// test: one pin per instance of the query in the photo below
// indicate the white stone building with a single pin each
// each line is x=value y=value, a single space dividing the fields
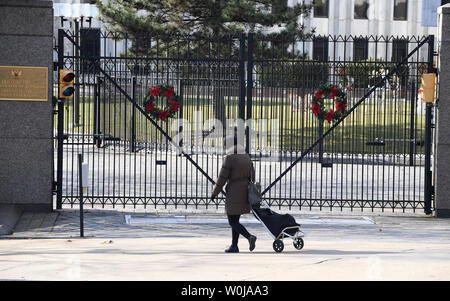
x=371 y=17
x=397 y=21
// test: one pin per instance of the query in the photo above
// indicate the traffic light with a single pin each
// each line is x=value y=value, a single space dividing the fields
x=66 y=78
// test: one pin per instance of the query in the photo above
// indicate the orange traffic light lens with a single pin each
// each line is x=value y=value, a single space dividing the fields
x=68 y=77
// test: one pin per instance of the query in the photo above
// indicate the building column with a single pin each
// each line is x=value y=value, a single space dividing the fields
x=26 y=113
x=442 y=168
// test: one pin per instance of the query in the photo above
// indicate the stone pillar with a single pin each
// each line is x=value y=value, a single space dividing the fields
x=442 y=169
x=26 y=127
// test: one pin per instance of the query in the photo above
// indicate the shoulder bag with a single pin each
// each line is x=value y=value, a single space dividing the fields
x=254 y=193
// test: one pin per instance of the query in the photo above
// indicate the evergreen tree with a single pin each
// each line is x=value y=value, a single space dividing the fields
x=210 y=17
x=142 y=20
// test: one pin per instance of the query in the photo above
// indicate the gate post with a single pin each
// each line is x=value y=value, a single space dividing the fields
x=59 y=163
x=133 y=117
x=442 y=174
x=428 y=173
x=26 y=108
x=97 y=116
x=59 y=156
x=412 y=144
x=428 y=135
x=242 y=76
x=249 y=89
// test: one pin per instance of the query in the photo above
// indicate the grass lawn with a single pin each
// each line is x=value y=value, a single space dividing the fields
x=386 y=120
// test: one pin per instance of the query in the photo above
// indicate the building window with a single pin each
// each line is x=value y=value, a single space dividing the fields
x=399 y=50
x=401 y=10
x=361 y=7
x=320 y=49
x=360 y=49
x=320 y=8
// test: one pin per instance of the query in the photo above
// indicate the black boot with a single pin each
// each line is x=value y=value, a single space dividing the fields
x=252 y=241
x=232 y=249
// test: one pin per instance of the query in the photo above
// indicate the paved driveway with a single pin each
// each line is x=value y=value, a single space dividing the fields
x=158 y=246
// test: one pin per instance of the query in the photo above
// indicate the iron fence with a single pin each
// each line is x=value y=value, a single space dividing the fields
x=374 y=158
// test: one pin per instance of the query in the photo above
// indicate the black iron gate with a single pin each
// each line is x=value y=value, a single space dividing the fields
x=378 y=157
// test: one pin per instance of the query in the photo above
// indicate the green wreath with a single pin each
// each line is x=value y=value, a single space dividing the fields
x=339 y=97
x=166 y=97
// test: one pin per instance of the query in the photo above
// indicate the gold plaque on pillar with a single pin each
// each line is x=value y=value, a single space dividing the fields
x=428 y=87
x=23 y=83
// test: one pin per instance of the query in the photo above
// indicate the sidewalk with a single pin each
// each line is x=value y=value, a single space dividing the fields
x=161 y=245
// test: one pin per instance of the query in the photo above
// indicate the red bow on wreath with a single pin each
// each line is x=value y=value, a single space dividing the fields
x=339 y=97
x=164 y=95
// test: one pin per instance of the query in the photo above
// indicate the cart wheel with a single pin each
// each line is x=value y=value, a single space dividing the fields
x=299 y=243
x=278 y=246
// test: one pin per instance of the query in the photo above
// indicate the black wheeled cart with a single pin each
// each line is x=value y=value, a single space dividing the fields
x=280 y=226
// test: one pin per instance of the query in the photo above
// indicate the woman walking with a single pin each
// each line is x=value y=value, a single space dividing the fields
x=236 y=170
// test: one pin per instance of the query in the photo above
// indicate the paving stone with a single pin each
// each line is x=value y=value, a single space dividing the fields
x=36 y=221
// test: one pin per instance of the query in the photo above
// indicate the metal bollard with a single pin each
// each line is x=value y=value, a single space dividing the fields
x=82 y=180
